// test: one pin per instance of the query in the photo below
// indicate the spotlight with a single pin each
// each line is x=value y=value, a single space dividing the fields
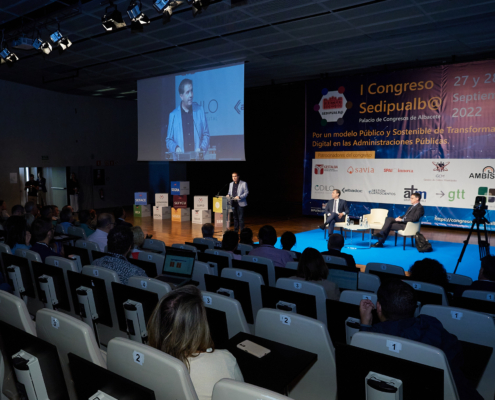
x=63 y=42
x=166 y=7
x=137 y=17
x=113 y=20
x=196 y=5
x=40 y=44
x=8 y=56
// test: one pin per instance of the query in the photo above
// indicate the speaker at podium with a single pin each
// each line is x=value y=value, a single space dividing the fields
x=222 y=208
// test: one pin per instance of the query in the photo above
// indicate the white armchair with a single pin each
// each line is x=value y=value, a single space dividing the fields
x=376 y=218
x=410 y=230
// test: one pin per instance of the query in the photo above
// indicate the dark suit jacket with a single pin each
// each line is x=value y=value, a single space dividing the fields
x=415 y=214
x=482 y=285
x=343 y=207
x=348 y=257
x=119 y=222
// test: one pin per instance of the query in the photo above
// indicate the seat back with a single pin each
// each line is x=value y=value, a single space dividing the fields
x=409 y=350
x=69 y=335
x=4 y=248
x=167 y=376
x=292 y=265
x=411 y=229
x=377 y=216
x=355 y=297
x=368 y=282
x=158 y=259
x=60 y=230
x=77 y=231
x=457 y=279
x=479 y=295
x=89 y=246
x=35 y=304
x=183 y=246
x=266 y=261
x=473 y=327
x=255 y=281
x=320 y=382
x=236 y=321
x=292 y=254
x=335 y=260
x=153 y=244
x=244 y=248
x=14 y=312
x=209 y=243
x=429 y=287
x=106 y=333
x=200 y=270
x=311 y=288
x=386 y=268
x=66 y=265
x=222 y=253
x=228 y=389
x=150 y=284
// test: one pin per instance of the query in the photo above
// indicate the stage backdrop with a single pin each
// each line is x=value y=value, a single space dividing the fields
x=379 y=138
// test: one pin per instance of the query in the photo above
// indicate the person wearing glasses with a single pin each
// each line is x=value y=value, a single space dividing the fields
x=105 y=224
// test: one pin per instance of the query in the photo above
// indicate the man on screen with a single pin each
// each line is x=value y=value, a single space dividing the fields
x=187 y=125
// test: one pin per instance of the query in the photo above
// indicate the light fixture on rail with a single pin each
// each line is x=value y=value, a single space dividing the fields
x=138 y=18
x=60 y=40
x=42 y=45
x=112 y=20
x=166 y=8
x=198 y=6
x=5 y=54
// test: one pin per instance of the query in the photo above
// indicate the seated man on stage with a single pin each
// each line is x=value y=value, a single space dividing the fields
x=413 y=214
x=336 y=210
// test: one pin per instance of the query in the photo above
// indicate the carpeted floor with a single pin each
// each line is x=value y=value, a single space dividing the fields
x=445 y=252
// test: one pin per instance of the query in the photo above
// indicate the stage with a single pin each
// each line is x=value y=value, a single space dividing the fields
x=447 y=243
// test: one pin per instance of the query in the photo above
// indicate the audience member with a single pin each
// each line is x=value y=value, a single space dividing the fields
x=179 y=327
x=229 y=243
x=120 y=215
x=138 y=239
x=4 y=215
x=42 y=189
x=32 y=188
x=395 y=306
x=120 y=243
x=268 y=237
x=17 y=233
x=246 y=237
x=92 y=220
x=208 y=230
x=46 y=213
x=18 y=210
x=42 y=232
x=84 y=217
x=429 y=271
x=56 y=212
x=288 y=241
x=486 y=276
x=105 y=224
x=73 y=189
x=335 y=244
x=312 y=268
x=66 y=219
x=31 y=212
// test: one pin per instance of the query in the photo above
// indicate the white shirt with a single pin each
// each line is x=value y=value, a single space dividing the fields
x=336 y=205
x=208 y=368
x=99 y=237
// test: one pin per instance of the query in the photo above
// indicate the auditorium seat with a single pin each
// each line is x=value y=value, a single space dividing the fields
x=89 y=246
x=236 y=321
x=384 y=268
x=229 y=389
x=292 y=265
x=320 y=381
x=157 y=259
x=430 y=288
x=335 y=260
x=265 y=261
x=76 y=231
x=244 y=248
x=155 y=245
x=200 y=270
x=33 y=304
x=355 y=297
x=410 y=350
x=13 y=311
x=207 y=242
x=368 y=282
x=484 y=297
x=456 y=279
x=187 y=247
x=60 y=230
x=310 y=288
x=66 y=265
x=167 y=376
x=69 y=335
x=222 y=253
x=150 y=284
x=473 y=327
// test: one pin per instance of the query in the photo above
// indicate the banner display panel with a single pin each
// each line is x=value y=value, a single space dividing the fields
x=379 y=138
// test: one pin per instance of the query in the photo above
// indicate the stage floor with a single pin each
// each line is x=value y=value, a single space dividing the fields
x=447 y=243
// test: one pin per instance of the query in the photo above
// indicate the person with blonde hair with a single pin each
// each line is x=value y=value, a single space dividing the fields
x=179 y=327
x=138 y=235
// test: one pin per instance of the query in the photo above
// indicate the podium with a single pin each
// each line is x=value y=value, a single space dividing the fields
x=222 y=204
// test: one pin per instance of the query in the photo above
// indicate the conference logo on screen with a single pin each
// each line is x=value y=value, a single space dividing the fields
x=367 y=170
x=332 y=106
x=409 y=191
x=486 y=173
x=321 y=168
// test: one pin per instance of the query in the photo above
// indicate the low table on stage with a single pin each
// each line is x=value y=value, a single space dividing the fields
x=357 y=228
x=276 y=371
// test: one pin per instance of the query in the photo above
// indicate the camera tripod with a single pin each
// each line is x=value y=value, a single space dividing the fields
x=484 y=246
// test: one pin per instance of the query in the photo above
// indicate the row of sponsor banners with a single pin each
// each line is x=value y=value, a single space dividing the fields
x=442 y=183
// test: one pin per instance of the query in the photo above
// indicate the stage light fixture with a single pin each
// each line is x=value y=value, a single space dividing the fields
x=196 y=5
x=62 y=41
x=166 y=8
x=40 y=44
x=138 y=18
x=112 y=20
x=8 y=56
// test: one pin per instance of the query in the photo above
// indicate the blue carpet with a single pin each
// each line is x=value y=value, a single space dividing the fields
x=445 y=252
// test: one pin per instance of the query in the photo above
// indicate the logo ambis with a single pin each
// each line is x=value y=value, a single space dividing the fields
x=487 y=173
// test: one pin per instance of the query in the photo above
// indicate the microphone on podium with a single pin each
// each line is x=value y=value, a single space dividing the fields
x=218 y=194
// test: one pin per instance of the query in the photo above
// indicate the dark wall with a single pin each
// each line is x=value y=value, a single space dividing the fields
x=274 y=130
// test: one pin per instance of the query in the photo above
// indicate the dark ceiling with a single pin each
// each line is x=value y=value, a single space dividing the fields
x=280 y=40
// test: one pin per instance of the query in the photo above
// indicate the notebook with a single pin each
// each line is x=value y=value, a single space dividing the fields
x=178 y=268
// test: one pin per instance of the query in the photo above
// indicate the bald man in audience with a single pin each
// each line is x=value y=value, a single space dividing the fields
x=105 y=224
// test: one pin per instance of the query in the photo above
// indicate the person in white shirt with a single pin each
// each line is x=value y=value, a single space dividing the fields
x=105 y=224
x=179 y=327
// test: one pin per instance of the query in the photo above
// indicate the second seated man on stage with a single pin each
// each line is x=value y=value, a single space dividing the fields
x=238 y=191
x=413 y=214
x=187 y=125
x=336 y=210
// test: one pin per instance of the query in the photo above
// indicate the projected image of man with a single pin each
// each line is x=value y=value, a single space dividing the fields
x=187 y=125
